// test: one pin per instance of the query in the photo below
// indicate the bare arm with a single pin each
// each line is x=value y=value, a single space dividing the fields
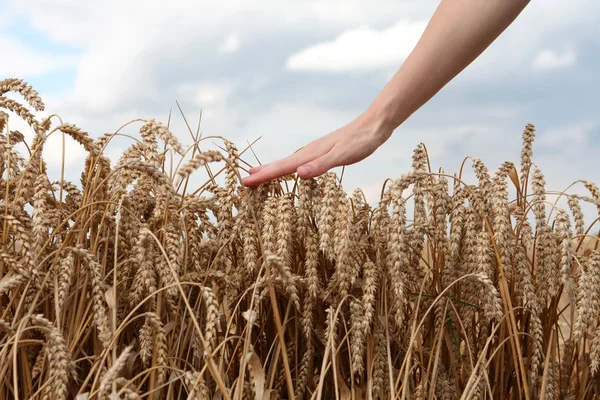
x=458 y=32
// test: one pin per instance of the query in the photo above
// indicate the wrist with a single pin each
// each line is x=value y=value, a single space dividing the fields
x=383 y=117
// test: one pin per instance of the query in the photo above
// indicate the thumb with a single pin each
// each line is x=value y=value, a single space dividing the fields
x=316 y=167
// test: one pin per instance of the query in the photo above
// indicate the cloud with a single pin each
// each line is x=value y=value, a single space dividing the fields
x=205 y=94
x=552 y=59
x=69 y=22
x=7 y=17
x=231 y=44
x=210 y=95
x=84 y=22
x=286 y=127
x=138 y=67
x=53 y=148
x=360 y=49
x=20 y=60
x=569 y=137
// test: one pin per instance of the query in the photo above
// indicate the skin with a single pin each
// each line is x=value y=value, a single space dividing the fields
x=458 y=32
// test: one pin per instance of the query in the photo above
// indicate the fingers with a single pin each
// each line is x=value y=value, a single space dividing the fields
x=310 y=146
x=282 y=167
x=254 y=170
x=316 y=167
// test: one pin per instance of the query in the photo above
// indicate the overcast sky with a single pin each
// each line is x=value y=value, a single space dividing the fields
x=291 y=71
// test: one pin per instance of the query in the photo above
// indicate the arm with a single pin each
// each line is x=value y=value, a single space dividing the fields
x=458 y=32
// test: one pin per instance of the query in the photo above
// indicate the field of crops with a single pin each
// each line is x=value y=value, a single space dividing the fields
x=135 y=283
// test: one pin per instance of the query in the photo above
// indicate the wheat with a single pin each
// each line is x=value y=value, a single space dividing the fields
x=595 y=352
x=457 y=218
x=144 y=282
x=303 y=373
x=145 y=339
x=417 y=239
x=398 y=256
x=80 y=137
x=65 y=276
x=40 y=213
x=591 y=186
x=212 y=316
x=282 y=271
x=155 y=128
x=357 y=336
x=112 y=373
x=285 y=230
x=563 y=228
x=59 y=359
x=575 y=207
x=346 y=267
x=96 y=282
x=250 y=245
x=313 y=284
x=326 y=215
x=370 y=276
x=145 y=287
x=18 y=85
x=160 y=341
x=307 y=193
x=196 y=162
x=526 y=152
x=269 y=228
x=491 y=303
x=379 y=373
x=38 y=365
x=588 y=297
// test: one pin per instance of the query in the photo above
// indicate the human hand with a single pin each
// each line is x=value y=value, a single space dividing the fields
x=457 y=33
x=345 y=146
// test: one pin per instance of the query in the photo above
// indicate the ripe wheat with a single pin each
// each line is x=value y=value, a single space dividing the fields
x=132 y=283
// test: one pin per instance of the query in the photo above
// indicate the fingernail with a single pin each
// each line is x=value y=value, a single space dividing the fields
x=304 y=170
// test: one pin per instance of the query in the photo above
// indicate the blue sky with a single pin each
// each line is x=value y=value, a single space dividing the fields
x=293 y=71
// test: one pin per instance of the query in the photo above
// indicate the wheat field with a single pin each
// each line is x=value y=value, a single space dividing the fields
x=135 y=283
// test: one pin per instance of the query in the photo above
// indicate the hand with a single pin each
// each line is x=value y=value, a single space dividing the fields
x=457 y=33
x=347 y=145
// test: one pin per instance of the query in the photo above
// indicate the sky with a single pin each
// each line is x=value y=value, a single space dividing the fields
x=292 y=71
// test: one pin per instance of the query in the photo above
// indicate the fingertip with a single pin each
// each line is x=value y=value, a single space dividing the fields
x=256 y=179
x=248 y=181
x=254 y=170
x=315 y=168
x=304 y=171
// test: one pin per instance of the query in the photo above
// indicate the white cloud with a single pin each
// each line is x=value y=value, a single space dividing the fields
x=571 y=136
x=21 y=61
x=552 y=59
x=210 y=95
x=205 y=93
x=132 y=67
x=82 y=22
x=68 y=21
x=7 y=17
x=126 y=62
x=356 y=12
x=286 y=127
x=361 y=49
x=231 y=44
x=210 y=98
x=53 y=148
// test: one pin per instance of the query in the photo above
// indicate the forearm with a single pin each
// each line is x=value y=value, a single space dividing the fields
x=458 y=32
